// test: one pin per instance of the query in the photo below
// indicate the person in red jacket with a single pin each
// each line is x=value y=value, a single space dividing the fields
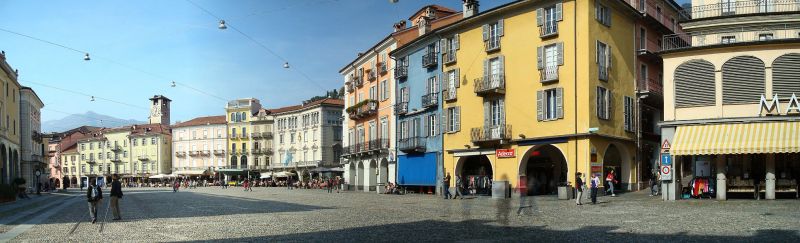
x=611 y=180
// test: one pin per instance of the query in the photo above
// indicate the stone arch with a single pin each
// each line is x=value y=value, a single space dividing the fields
x=478 y=168
x=372 y=175
x=384 y=171
x=743 y=80
x=233 y=161
x=360 y=175
x=785 y=70
x=618 y=157
x=544 y=167
x=243 y=162
x=694 y=84
x=6 y=172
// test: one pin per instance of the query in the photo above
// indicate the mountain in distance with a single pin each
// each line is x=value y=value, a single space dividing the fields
x=89 y=118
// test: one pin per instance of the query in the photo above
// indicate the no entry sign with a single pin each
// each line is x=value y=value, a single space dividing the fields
x=666 y=167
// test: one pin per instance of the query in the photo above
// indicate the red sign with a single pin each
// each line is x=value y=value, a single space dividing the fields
x=505 y=153
x=666 y=144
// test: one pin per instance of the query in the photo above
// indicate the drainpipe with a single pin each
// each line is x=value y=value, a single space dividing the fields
x=575 y=77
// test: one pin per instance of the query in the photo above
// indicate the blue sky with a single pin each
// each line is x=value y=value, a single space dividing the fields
x=174 y=40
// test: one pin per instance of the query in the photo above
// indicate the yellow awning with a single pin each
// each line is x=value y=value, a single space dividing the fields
x=738 y=138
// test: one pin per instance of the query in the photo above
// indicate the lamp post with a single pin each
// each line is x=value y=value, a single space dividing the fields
x=639 y=97
x=38 y=173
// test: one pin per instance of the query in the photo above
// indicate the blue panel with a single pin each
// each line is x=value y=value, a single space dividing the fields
x=417 y=169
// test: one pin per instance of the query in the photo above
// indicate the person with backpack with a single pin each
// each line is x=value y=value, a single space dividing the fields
x=94 y=195
x=116 y=194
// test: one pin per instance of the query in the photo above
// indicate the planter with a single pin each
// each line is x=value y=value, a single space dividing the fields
x=565 y=192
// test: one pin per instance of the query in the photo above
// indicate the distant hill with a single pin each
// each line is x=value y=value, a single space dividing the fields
x=87 y=119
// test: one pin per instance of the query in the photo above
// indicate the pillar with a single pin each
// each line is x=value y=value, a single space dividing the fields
x=770 y=178
x=670 y=189
x=722 y=186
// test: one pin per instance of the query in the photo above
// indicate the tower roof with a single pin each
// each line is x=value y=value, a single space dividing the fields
x=157 y=97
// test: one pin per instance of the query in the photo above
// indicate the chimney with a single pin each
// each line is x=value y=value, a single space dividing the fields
x=400 y=26
x=423 y=25
x=470 y=8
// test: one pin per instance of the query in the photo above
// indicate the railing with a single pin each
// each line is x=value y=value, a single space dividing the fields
x=180 y=154
x=494 y=83
x=401 y=107
x=429 y=60
x=358 y=80
x=116 y=148
x=602 y=72
x=429 y=100
x=549 y=28
x=492 y=44
x=449 y=94
x=194 y=153
x=267 y=135
x=143 y=158
x=372 y=75
x=739 y=8
x=232 y=135
x=491 y=133
x=205 y=152
x=650 y=46
x=267 y=151
x=363 y=109
x=382 y=68
x=91 y=161
x=255 y=134
x=255 y=151
x=378 y=144
x=349 y=86
x=219 y=152
x=116 y=159
x=650 y=8
x=650 y=85
x=750 y=34
x=412 y=144
x=449 y=57
x=548 y=73
x=400 y=71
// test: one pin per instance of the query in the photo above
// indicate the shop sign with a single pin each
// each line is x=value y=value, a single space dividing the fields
x=505 y=153
x=666 y=167
x=597 y=168
x=773 y=107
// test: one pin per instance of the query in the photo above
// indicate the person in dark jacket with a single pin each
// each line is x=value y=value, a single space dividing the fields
x=94 y=195
x=579 y=188
x=116 y=195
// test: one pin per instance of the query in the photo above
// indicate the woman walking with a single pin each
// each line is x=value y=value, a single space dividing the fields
x=579 y=188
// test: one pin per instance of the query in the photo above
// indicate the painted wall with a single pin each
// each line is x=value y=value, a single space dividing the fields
x=417 y=84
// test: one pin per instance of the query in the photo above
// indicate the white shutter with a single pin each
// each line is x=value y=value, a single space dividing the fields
x=560 y=103
x=502 y=111
x=558 y=12
x=539 y=16
x=485 y=69
x=485 y=32
x=539 y=106
x=434 y=124
x=457 y=119
x=502 y=60
x=456 y=41
x=500 y=27
x=539 y=57
x=560 y=54
x=487 y=113
x=443 y=45
x=445 y=121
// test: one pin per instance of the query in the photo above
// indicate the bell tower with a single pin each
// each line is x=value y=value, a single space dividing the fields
x=159 y=110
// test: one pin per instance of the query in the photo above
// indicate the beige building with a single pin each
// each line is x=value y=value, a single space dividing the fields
x=31 y=139
x=261 y=139
x=731 y=112
x=200 y=146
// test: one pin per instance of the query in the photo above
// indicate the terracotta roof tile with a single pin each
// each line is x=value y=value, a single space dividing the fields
x=202 y=121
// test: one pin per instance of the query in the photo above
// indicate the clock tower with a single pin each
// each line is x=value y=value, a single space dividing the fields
x=159 y=110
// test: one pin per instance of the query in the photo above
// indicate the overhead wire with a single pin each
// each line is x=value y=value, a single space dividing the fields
x=85 y=94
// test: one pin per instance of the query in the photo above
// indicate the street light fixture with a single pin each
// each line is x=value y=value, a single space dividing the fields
x=222 y=25
x=173 y=84
x=92 y=98
x=86 y=57
x=286 y=65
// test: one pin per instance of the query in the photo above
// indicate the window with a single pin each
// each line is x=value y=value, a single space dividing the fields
x=765 y=36
x=547 y=20
x=604 y=101
x=496 y=111
x=450 y=46
x=99 y=156
x=291 y=138
x=305 y=136
x=384 y=128
x=384 y=90
x=603 y=60
x=433 y=85
x=729 y=39
x=629 y=116
x=453 y=118
x=280 y=138
x=643 y=73
x=602 y=14
x=549 y=104
x=144 y=141
x=83 y=145
x=205 y=133
x=135 y=142
x=404 y=130
x=91 y=146
x=244 y=147
x=233 y=148
x=491 y=35
x=233 y=131
x=642 y=39
x=153 y=141
x=373 y=92
x=432 y=125
x=244 y=132
x=194 y=134
x=728 y=7
x=549 y=57
x=124 y=154
x=451 y=83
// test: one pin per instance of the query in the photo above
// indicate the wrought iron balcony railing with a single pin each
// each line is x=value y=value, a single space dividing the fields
x=549 y=28
x=491 y=133
x=750 y=34
x=401 y=107
x=429 y=60
x=429 y=100
x=449 y=94
x=492 y=84
x=400 y=72
x=733 y=8
x=449 y=57
x=650 y=85
x=492 y=44
x=548 y=73
x=412 y=144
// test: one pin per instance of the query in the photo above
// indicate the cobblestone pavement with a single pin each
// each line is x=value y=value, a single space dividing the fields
x=277 y=214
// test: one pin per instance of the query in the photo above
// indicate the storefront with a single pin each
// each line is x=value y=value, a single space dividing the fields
x=417 y=170
x=733 y=160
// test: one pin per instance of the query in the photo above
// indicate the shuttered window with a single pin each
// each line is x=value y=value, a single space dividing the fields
x=629 y=114
x=549 y=104
x=453 y=119
x=742 y=80
x=603 y=103
x=785 y=74
x=694 y=84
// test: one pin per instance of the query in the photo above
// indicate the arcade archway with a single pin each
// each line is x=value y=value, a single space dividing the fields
x=476 y=172
x=612 y=161
x=544 y=168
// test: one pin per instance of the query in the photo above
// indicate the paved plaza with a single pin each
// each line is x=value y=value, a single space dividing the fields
x=278 y=214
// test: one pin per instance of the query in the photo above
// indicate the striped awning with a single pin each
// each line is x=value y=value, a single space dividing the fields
x=738 y=138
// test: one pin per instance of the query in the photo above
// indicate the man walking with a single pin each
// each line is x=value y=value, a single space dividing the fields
x=595 y=181
x=446 y=185
x=578 y=188
x=116 y=194
x=94 y=196
x=458 y=186
x=330 y=185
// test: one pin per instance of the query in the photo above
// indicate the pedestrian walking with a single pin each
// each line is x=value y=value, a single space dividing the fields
x=336 y=183
x=594 y=183
x=330 y=185
x=116 y=195
x=654 y=183
x=459 y=186
x=578 y=188
x=176 y=186
x=94 y=195
x=523 y=195
x=446 y=185
x=611 y=180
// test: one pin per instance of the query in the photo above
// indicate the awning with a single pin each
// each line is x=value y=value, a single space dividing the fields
x=192 y=172
x=161 y=176
x=283 y=174
x=738 y=138
x=416 y=169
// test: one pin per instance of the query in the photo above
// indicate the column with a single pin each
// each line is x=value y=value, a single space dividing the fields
x=770 y=178
x=721 y=179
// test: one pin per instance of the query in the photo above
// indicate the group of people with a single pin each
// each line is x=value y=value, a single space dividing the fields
x=391 y=188
x=94 y=195
x=473 y=186
x=594 y=184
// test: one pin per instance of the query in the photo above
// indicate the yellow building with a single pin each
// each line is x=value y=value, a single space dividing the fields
x=239 y=112
x=731 y=112
x=543 y=90
x=9 y=123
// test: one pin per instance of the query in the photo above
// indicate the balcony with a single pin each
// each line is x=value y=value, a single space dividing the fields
x=219 y=152
x=492 y=84
x=144 y=158
x=650 y=86
x=116 y=159
x=266 y=135
x=377 y=144
x=655 y=15
x=429 y=60
x=363 y=109
x=400 y=72
x=548 y=73
x=382 y=68
x=449 y=94
x=266 y=151
x=496 y=133
x=548 y=29
x=349 y=86
x=648 y=48
x=232 y=135
x=255 y=151
x=733 y=36
x=733 y=8
x=412 y=145
x=357 y=80
x=372 y=75
x=429 y=100
x=255 y=135
x=91 y=161
x=180 y=154
x=449 y=57
x=116 y=148
x=492 y=44
x=401 y=107
x=194 y=153
x=205 y=153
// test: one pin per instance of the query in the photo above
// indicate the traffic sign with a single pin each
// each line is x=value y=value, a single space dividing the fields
x=666 y=167
x=666 y=160
x=666 y=144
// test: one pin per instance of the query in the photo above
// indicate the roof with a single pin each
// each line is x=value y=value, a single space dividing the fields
x=326 y=101
x=447 y=21
x=438 y=8
x=34 y=94
x=147 y=129
x=389 y=36
x=205 y=120
x=155 y=97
